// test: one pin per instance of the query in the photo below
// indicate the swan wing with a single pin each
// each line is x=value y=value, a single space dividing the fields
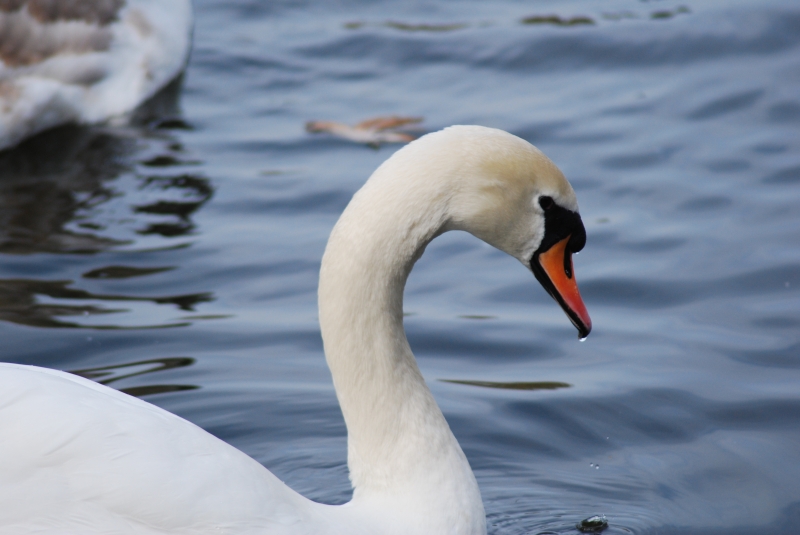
x=76 y=456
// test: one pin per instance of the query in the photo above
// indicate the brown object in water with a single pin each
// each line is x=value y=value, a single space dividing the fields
x=371 y=131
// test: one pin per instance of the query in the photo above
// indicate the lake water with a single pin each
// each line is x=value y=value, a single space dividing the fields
x=180 y=263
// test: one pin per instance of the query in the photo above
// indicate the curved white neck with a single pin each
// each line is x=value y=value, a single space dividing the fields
x=401 y=451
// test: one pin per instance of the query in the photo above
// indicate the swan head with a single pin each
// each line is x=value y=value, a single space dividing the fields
x=506 y=192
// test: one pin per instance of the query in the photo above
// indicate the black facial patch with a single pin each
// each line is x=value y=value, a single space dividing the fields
x=558 y=224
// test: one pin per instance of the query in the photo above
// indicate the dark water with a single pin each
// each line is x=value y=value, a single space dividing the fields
x=180 y=263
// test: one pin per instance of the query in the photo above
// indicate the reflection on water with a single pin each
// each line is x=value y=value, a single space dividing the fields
x=58 y=190
x=187 y=193
x=539 y=385
x=91 y=191
x=19 y=303
x=557 y=21
x=54 y=187
x=407 y=27
x=105 y=375
x=123 y=272
x=50 y=180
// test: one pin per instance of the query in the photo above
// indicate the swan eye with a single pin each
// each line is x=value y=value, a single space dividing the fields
x=546 y=202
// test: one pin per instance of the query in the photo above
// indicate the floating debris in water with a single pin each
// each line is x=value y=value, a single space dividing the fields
x=372 y=132
x=593 y=524
x=558 y=21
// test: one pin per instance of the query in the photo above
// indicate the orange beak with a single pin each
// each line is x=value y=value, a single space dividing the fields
x=556 y=263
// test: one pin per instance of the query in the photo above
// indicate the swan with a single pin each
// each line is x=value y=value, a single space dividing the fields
x=69 y=61
x=79 y=457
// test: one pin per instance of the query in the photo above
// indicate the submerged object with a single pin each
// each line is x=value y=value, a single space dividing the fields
x=593 y=524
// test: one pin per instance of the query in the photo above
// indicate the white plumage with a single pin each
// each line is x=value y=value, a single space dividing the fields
x=78 y=457
x=85 y=61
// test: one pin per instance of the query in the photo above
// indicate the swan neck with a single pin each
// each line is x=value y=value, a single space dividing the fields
x=399 y=443
x=377 y=381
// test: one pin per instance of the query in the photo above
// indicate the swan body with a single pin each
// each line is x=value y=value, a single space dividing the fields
x=66 y=61
x=78 y=457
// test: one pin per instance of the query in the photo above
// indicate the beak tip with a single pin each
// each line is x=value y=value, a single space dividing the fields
x=583 y=331
x=583 y=324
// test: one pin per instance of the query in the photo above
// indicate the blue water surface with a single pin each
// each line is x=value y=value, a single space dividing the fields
x=179 y=261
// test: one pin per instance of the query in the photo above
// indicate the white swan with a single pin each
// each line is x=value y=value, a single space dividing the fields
x=69 y=61
x=78 y=457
